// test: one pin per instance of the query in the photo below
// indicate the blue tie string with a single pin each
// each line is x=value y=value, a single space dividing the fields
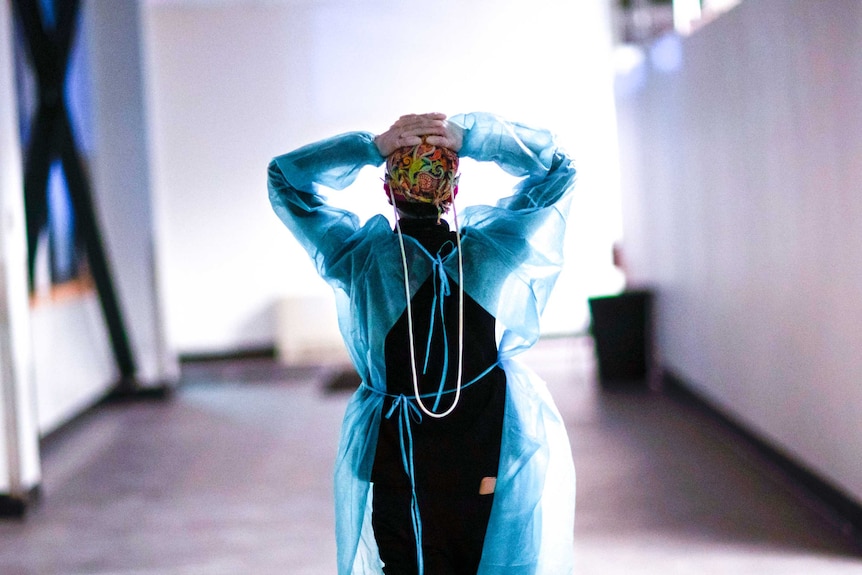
x=408 y=412
x=442 y=290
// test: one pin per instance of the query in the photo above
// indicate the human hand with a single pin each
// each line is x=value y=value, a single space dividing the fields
x=452 y=137
x=413 y=129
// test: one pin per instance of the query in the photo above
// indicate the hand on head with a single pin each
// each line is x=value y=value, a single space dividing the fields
x=410 y=130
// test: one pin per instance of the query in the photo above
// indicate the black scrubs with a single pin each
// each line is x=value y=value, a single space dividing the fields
x=452 y=455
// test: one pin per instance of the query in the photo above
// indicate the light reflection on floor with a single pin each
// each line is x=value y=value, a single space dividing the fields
x=232 y=477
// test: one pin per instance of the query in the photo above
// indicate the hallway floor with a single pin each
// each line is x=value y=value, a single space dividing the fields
x=232 y=476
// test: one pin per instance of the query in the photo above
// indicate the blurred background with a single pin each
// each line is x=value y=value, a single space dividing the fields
x=717 y=143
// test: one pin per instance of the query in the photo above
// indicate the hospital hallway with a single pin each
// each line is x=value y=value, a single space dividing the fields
x=232 y=476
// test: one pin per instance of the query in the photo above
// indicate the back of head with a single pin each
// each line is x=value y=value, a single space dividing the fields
x=422 y=174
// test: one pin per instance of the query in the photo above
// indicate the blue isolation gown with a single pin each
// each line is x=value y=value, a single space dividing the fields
x=512 y=254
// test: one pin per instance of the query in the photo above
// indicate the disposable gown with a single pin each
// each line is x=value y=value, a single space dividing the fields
x=512 y=254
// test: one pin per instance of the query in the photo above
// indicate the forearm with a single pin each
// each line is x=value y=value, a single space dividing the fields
x=548 y=172
x=293 y=181
x=518 y=149
x=334 y=162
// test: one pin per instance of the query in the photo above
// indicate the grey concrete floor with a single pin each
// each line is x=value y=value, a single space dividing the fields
x=233 y=476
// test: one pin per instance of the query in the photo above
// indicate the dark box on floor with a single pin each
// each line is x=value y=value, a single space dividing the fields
x=621 y=326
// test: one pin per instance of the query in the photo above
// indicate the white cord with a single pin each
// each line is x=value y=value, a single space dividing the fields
x=416 y=393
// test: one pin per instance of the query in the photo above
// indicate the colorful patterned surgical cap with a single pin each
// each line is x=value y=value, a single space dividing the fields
x=423 y=174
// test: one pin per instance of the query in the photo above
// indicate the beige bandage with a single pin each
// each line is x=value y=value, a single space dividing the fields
x=487 y=485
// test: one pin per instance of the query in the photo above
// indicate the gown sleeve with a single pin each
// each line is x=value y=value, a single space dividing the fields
x=294 y=181
x=518 y=245
x=513 y=249
x=521 y=151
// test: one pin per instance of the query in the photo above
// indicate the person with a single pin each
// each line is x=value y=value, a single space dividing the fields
x=453 y=458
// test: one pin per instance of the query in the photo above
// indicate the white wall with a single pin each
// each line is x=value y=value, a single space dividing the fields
x=234 y=83
x=121 y=178
x=19 y=446
x=742 y=171
x=73 y=364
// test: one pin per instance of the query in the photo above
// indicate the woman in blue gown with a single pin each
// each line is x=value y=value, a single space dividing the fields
x=489 y=488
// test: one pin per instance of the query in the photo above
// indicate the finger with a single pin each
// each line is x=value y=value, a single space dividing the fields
x=411 y=120
x=424 y=130
x=448 y=143
x=405 y=140
x=421 y=125
x=441 y=141
x=429 y=116
x=434 y=116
